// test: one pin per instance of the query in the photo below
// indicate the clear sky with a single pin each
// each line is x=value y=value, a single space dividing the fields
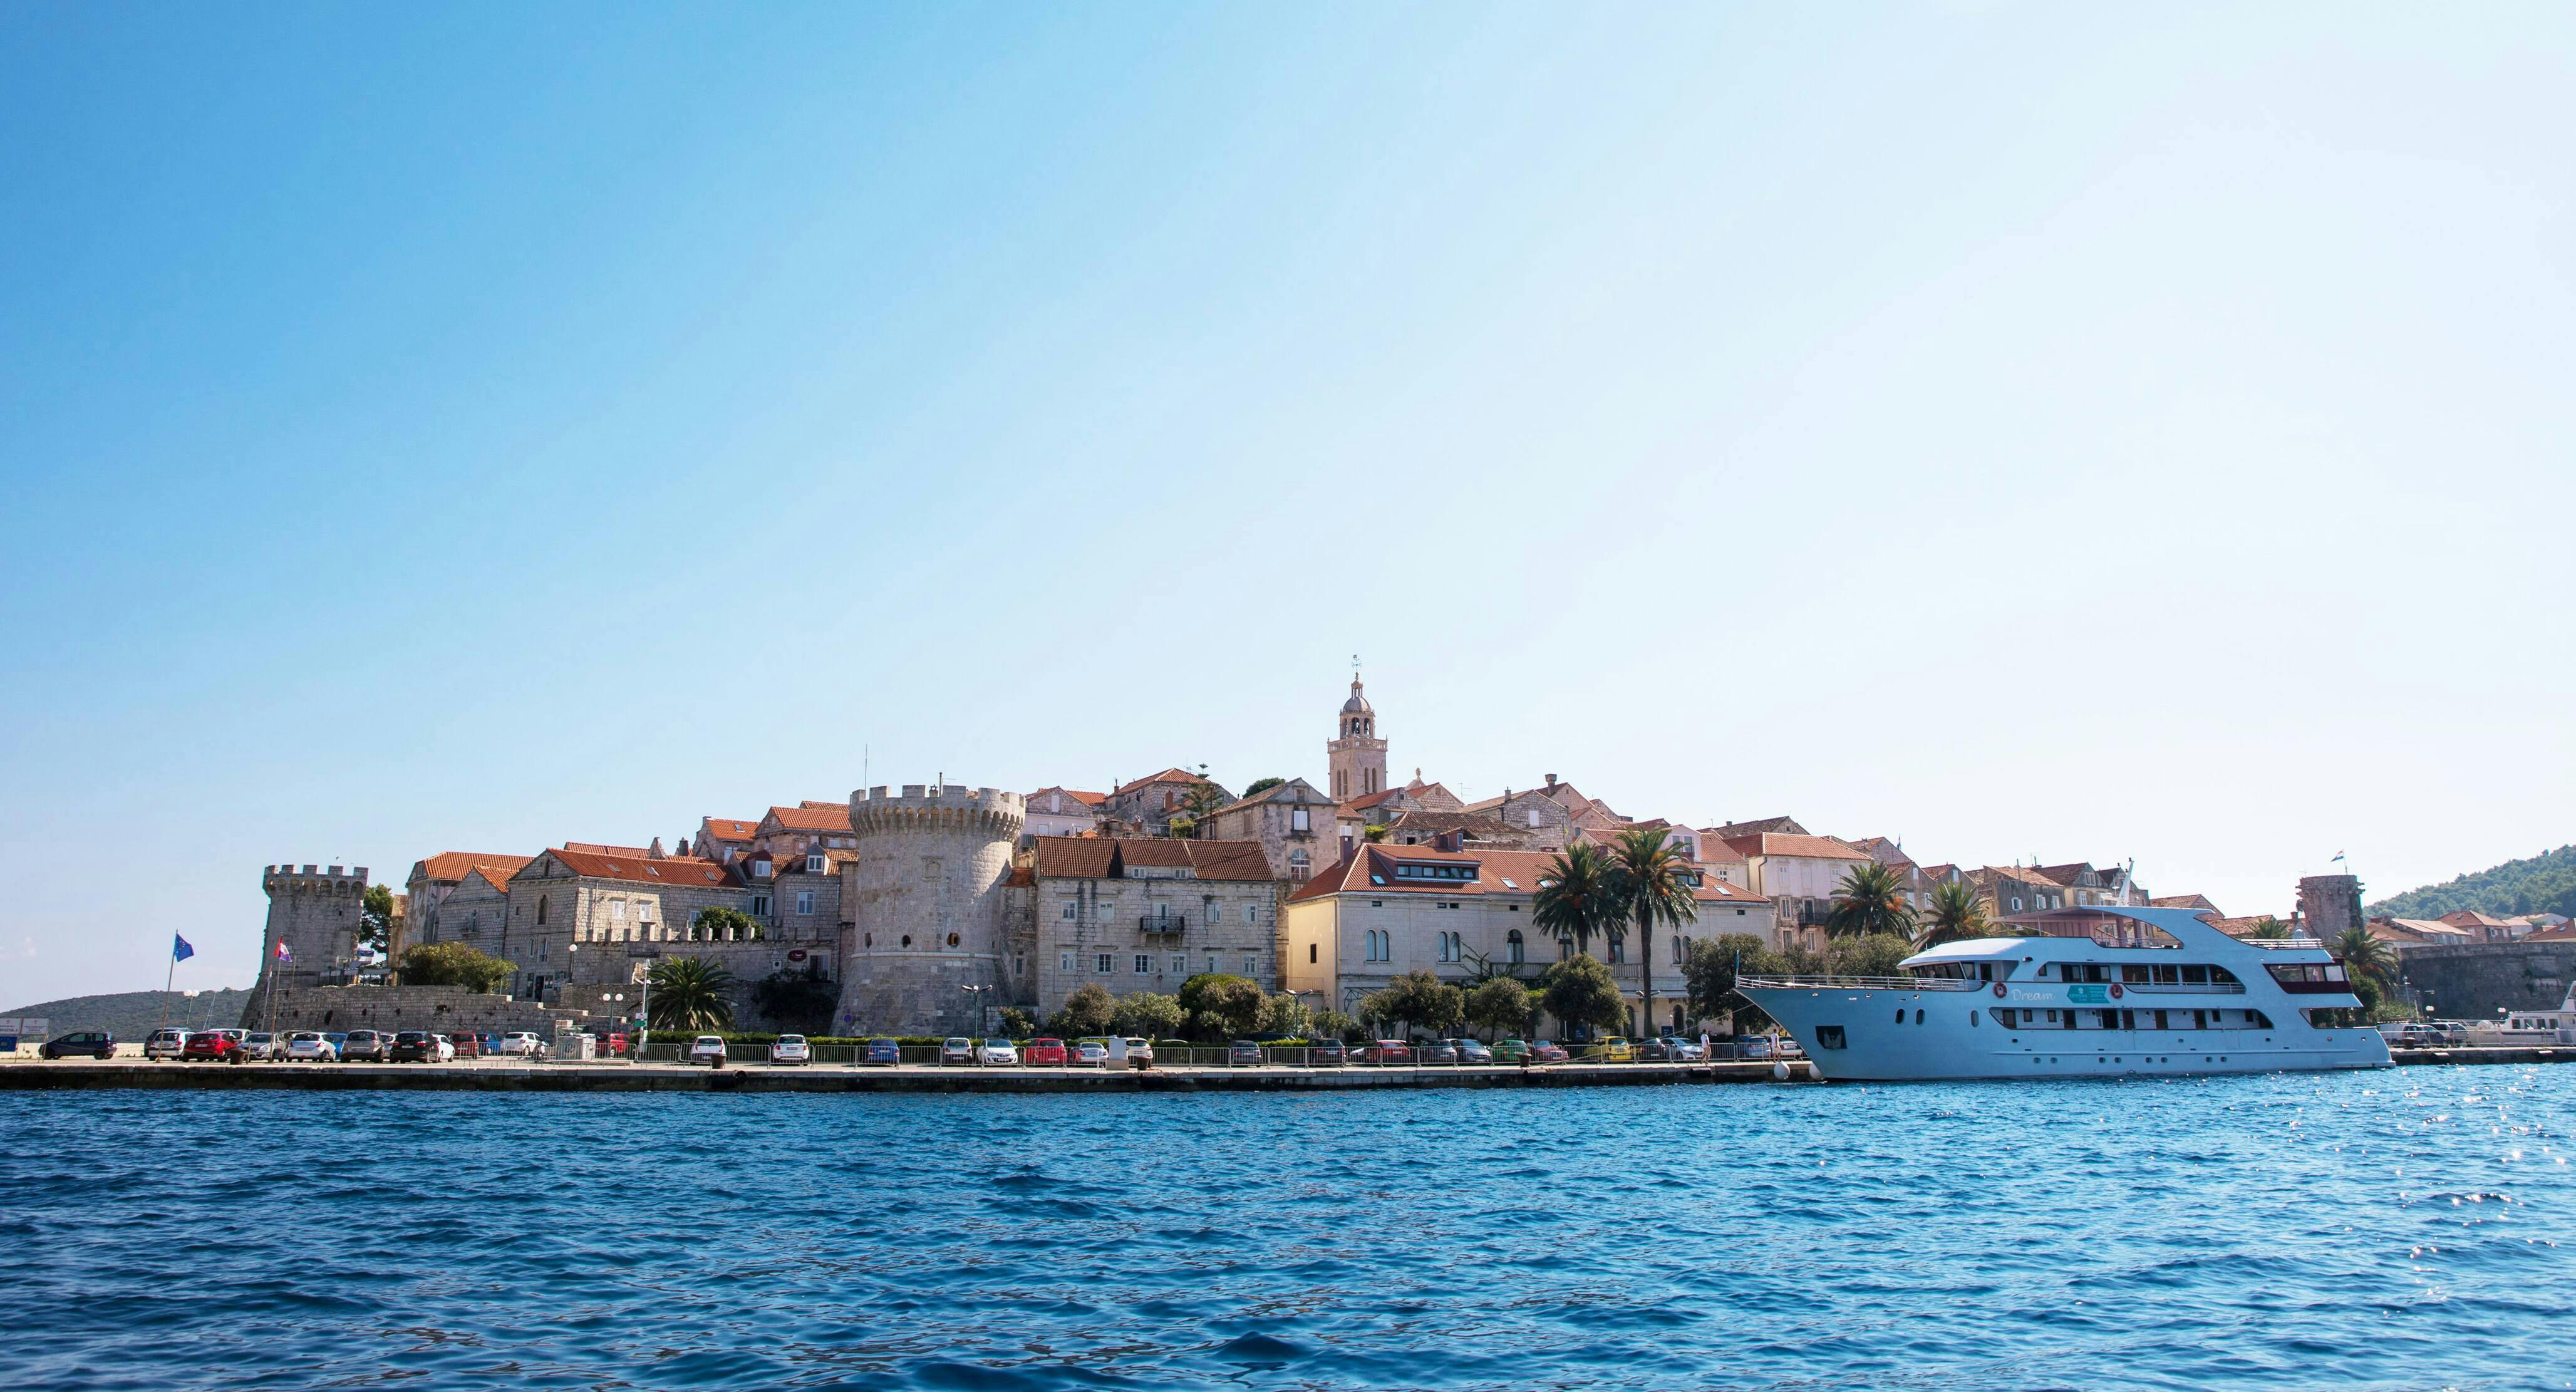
x=2071 y=432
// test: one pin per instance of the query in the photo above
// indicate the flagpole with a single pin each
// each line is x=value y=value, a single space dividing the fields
x=168 y=978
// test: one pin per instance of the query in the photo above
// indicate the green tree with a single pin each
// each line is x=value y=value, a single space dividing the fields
x=1418 y=998
x=797 y=1002
x=454 y=964
x=1580 y=994
x=1871 y=899
x=1149 y=1014
x=720 y=924
x=1957 y=916
x=1654 y=881
x=1263 y=785
x=376 y=918
x=1576 y=900
x=1711 y=970
x=1087 y=1011
x=1333 y=1024
x=1221 y=1004
x=2366 y=958
x=1874 y=954
x=1199 y=803
x=689 y=994
x=1018 y=1023
x=1283 y=1016
x=1373 y=833
x=1499 y=1006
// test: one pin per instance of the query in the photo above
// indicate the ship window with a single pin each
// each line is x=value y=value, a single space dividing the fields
x=1918 y=1017
x=2195 y=976
x=1973 y=1021
x=1900 y=1017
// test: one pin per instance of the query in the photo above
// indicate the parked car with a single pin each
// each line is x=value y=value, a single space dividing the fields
x=1088 y=1053
x=97 y=1044
x=708 y=1049
x=260 y=1046
x=1663 y=1048
x=1386 y=1051
x=958 y=1050
x=1244 y=1053
x=997 y=1053
x=420 y=1046
x=1438 y=1051
x=1140 y=1053
x=1545 y=1052
x=217 y=1046
x=1042 y=1052
x=790 y=1048
x=165 y=1043
x=306 y=1046
x=520 y=1044
x=1327 y=1053
x=885 y=1051
x=1754 y=1046
x=337 y=1040
x=375 y=1046
x=1511 y=1050
x=1472 y=1051
x=466 y=1043
x=1611 y=1050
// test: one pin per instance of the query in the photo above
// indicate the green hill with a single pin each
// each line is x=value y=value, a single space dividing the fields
x=2546 y=883
x=133 y=1014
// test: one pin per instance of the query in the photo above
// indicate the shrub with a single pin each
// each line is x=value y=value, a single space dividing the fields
x=1222 y=1006
x=1087 y=1011
x=1580 y=994
x=454 y=964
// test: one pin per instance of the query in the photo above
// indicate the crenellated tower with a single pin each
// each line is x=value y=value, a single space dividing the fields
x=925 y=903
x=317 y=913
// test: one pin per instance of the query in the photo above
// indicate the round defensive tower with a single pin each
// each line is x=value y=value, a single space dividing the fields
x=928 y=921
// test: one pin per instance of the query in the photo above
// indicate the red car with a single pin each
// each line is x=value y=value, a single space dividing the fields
x=1384 y=1051
x=1544 y=1052
x=221 y=1046
x=1045 y=1051
x=468 y=1044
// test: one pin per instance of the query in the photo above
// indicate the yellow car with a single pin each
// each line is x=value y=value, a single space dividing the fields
x=1611 y=1051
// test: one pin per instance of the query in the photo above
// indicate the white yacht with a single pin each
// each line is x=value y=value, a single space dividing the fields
x=2101 y=992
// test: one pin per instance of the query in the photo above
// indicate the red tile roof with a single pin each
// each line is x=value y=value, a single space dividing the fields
x=1169 y=775
x=1781 y=843
x=1085 y=798
x=684 y=872
x=1107 y=857
x=829 y=816
x=455 y=865
x=596 y=848
x=727 y=828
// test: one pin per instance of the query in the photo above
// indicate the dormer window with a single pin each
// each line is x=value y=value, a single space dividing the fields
x=1435 y=872
x=814 y=863
x=760 y=868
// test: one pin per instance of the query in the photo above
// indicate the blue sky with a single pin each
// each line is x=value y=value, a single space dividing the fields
x=2030 y=431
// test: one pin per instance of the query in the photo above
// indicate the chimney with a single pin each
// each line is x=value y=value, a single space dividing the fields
x=1551 y=780
x=1346 y=845
x=684 y=845
x=655 y=850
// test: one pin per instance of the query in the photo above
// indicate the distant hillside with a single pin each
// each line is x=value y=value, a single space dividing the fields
x=133 y=1014
x=2542 y=884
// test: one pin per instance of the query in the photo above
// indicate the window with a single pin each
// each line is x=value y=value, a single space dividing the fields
x=814 y=863
x=1618 y=949
x=1104 y=964
x=1252 y=964
x=1679 y=948
x=1310 y=952
x=1108 y=909
x=930 y=868
x=1300 y=820
x=805 y=901
x=541 y=907
x=617 y=910
x=1180 y=964
x=643 y=910
x=1514 y=947
x=1064 y=961
x=760 y=906
x=1251 y=913
x=1211 y=963
x=1144 y=964
x=1071 y=911
x=1300 y=865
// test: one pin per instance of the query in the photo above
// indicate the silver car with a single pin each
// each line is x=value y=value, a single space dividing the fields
x=260 y=1046
x=165 y=1044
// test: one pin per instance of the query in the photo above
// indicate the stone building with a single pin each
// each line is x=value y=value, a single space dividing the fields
x=432 y=880
x=2013 y=890
x=1148 y=805
x=474 y=910
x=720 y=839
x=927 y=949
x=1293 y=822
x=314 y=916
x=786 y=832
x=1136 y=914
x=587 y=916
x=1064 y=812
x=1355 y=757
x=1800 y=876
x=1387 y=910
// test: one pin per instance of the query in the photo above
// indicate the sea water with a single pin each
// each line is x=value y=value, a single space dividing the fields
x=2405 y=1228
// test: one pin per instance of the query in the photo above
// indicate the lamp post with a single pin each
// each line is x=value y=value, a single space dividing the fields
x=976 y=994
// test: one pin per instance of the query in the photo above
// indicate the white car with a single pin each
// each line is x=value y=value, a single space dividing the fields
x=958 y=1049
x=790 y=1048
x=1140 y=1053
x=306 y=1046
x=708 y=1049
x=1088 y=1053
x=520 y=1044
x=997 y=1053
x=165 y=1043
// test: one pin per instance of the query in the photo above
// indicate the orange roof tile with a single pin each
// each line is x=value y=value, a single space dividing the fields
x=1106 y=857
x=686 y=872
x=455 y=865
x=727 y=828
x=830 y=816
x=1781 y=843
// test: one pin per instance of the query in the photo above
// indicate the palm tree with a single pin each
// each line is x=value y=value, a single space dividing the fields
x=1871 y=899
x=2364 y=955
x=1653 y=879
x=1957 y=916
x=689 y=993
x=1575 y=898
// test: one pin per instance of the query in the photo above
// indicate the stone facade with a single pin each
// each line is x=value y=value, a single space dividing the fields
x=580 y=916
x=1146 y=915
x=1063 y=812
x=316 y=914
x=442 y=1008
x=2331 y=904
x=1292 y=822
x=435 y=878
x=2474 y=981
x=1355 y=757
x=926 y=901
x=474 y=911
x=1148 y=805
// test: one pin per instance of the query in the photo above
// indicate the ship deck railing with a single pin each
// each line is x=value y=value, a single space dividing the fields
x=1864 y=983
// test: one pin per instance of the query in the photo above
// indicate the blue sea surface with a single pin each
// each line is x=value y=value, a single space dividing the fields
x=2406 y=1228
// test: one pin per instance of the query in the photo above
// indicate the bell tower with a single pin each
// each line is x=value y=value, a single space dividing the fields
x=1356 y=755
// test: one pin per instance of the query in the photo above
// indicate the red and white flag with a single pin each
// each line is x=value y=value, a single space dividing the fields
x=283 y=955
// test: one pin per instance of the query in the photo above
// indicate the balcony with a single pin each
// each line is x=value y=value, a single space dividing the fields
x=1162 y=925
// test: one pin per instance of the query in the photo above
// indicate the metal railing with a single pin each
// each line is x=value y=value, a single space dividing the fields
x=2281 y=944
x=1864 y=983
x=1161 y=923
x=2214 y=988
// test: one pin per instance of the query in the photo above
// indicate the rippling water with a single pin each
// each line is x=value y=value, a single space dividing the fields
x=2399 y=1229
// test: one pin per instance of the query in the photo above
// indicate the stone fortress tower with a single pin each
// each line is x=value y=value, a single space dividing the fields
x=1357 y=756
x=2329 y=904
x=928 y=917
x=316 y=913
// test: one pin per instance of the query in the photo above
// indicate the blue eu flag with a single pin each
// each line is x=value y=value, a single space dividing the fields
x=179 y=949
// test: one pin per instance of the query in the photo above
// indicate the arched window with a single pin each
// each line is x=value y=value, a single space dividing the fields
x=1515 y=946
x=1677 y=949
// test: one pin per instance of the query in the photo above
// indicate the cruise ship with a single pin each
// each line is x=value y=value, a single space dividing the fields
x=2099 y=992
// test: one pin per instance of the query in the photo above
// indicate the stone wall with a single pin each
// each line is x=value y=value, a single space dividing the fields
x=315 y=912
x=2474 y=980
x=928 y=908
x=2330 y=904
x=446 y=1009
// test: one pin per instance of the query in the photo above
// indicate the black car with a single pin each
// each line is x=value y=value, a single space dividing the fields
x=1437 y=1051
x=1660 y=1049
x=415 y=1046
x=1327 y=1053
x=97 y=1044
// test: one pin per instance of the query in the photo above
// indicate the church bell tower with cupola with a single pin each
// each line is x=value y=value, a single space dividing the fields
x=1357 y=755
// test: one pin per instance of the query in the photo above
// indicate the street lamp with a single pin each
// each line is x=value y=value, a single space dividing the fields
x=976 y=994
